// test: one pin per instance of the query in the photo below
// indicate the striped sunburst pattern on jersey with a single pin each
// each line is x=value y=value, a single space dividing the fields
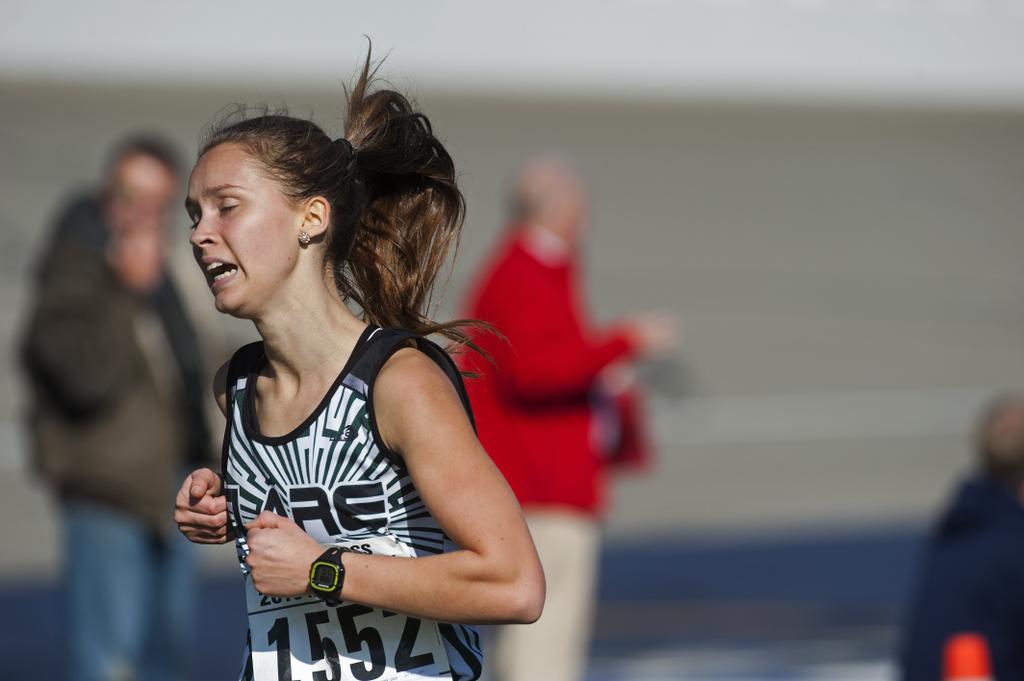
x=332 y=475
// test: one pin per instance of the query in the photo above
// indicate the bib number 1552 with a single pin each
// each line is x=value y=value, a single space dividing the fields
x=350 y=642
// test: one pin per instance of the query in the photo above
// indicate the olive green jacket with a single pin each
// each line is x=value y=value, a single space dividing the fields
x=105 y=419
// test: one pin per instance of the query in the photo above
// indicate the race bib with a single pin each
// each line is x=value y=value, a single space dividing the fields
x=304 y=639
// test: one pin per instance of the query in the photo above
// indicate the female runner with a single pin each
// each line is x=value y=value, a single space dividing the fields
x=366 y=515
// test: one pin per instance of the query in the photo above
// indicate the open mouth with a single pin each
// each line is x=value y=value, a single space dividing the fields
x=219 y=271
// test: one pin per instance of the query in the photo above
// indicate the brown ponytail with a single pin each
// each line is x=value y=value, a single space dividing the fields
x=413 y=209
x=396 y=209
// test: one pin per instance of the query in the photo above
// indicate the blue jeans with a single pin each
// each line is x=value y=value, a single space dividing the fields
x=130 y=597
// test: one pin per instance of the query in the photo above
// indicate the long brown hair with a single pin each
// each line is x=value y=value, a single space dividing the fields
x=396 y=210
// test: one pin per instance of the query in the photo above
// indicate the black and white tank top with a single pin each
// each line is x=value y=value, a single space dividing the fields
x=336 y=479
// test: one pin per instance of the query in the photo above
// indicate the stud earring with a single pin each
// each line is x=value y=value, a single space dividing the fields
x=304 y=238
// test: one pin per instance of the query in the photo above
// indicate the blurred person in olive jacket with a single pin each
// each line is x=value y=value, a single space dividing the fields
x=557 y=407
x=972 y=576
x=118 y=412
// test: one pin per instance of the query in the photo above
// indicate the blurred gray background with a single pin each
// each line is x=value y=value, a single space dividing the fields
x=828 y=193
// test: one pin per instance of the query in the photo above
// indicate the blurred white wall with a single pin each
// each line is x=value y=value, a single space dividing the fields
x=952 y=52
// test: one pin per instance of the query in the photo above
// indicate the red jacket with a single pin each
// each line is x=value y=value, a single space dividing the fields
x=534 y=406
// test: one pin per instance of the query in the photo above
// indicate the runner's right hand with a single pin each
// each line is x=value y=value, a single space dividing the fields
x=201 y=509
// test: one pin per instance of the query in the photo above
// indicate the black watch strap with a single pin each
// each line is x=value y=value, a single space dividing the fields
x=327 y=575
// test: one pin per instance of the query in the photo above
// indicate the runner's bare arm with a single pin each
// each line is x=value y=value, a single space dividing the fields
x=220 y=388
x=200 y=507
x=495 y=576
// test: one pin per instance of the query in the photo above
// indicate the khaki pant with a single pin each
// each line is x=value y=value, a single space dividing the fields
x=554 y=648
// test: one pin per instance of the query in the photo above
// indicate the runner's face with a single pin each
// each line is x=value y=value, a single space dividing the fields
x=245 y=229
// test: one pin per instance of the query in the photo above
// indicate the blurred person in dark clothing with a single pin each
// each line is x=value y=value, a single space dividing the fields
x=972 y=578
x=556 y=408
x=118 y=412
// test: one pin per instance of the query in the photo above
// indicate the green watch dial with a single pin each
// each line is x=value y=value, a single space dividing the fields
x=324 y=576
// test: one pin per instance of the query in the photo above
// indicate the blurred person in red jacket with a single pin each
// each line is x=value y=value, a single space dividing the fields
x=556 y=408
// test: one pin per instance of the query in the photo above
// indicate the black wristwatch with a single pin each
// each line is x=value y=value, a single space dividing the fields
x=327 y=575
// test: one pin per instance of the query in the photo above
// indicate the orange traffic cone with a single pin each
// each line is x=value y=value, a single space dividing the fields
x=966 y=658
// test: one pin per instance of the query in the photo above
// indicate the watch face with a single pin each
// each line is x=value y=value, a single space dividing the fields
x=324 y=577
